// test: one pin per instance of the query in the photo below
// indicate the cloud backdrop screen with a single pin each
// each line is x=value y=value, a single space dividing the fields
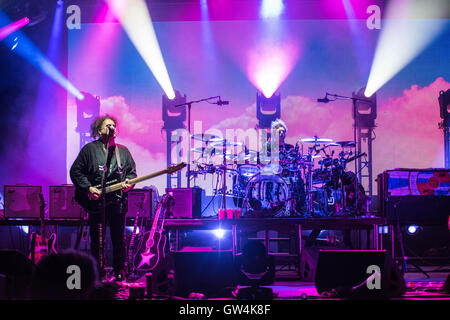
x=300 y=59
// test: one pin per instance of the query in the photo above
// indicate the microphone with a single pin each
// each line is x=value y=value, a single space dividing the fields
x=111 y=130
x=221 y=103
x=356 y=157
x=324 y=100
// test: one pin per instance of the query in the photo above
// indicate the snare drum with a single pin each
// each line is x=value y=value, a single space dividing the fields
x=248 y=170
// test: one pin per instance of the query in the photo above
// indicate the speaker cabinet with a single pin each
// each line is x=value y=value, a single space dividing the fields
x=63 y=204
x=419 y=196
x=346 y=272
x=207 y=272
x=23 y=201
x=140 y=199
x=188 y=202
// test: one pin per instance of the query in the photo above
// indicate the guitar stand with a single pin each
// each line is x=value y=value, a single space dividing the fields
x=132 y=275
x=405 y=259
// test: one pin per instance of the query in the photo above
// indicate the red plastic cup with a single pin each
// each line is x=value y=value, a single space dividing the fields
x=230 y=213
x=221 y=214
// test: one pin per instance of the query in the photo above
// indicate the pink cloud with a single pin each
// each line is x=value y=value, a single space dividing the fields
x=408 y=135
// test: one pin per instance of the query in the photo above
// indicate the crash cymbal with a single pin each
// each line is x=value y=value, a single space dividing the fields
x=203 y=150
x=226 y=143
x=333 y=144
x=205 y=137
x=346 y=144
x=316 y=140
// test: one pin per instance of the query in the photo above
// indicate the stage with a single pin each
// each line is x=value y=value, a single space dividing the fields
x=276 y=150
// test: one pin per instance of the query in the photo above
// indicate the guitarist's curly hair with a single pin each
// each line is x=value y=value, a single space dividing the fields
x=97 y=124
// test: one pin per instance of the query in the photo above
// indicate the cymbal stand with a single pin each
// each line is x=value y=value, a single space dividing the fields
x=189 y=105
x=354 y=100
x=308 y=177
x=224 y=182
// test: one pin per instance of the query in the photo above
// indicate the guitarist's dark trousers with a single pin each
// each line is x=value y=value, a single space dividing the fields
x=115 y=219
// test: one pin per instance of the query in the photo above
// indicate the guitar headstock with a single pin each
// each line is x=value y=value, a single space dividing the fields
x=175 y=168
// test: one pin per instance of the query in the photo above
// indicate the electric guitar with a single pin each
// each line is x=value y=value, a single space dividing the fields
x=152 y=248
x=40 y=246
x=90 y=202
x=131 y=247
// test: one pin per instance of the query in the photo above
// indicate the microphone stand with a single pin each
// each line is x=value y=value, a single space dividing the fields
x=354 y=100
x=103 y=211
x=189 y=105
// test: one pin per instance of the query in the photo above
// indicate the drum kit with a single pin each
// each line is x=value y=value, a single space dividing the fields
x=309 y=179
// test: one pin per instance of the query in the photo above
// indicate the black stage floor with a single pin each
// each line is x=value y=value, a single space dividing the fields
x=287 y=286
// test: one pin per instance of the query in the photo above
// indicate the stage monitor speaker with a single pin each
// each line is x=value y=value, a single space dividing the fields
x=138 y=198
x=207 y=272
x=308 y=263
x=420 y=196
x=23 y=201
x=348 y=272
x=446 y=286
x=188 y=202
x=63 y=204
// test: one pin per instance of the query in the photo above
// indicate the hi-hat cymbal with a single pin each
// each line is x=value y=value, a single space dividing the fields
x=346 y=144
x=205 y=137
x=316 y=140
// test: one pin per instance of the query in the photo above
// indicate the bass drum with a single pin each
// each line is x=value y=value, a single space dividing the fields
x=266 y=195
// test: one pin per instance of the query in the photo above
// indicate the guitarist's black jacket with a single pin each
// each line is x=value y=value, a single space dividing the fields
x=86 y=171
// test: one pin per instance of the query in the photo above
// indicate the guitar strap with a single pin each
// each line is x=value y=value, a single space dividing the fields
x=118 y=161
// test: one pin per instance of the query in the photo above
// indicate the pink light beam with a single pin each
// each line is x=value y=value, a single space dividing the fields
x=16 y=25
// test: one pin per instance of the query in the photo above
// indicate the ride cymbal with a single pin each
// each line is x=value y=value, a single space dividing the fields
x=316 y=140
x=205 y=137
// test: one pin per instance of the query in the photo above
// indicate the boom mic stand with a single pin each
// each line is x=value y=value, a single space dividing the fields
x=103 y=211
x=354 y=100
x=189 y=105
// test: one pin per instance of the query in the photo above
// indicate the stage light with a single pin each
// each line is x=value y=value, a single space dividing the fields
x=270 y=65
x=409 y=27
x=25 y=229
x=130 y=229
x=271 y=8
x=136 y=21
x=31 y=53
x=12 y=27
x=413 y=229
x=219 y=233
x=204 y=11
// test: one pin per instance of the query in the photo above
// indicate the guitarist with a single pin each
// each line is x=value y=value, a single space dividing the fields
x=97 y=158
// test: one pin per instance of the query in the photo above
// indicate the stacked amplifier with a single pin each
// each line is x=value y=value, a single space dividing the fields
x=415 y=195
x=23 y=201
x=27 y=202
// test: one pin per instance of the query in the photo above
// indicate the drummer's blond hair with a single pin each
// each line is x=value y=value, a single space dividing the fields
x=279 y=123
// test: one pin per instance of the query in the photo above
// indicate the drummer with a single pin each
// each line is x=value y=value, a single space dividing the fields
x=279 y=127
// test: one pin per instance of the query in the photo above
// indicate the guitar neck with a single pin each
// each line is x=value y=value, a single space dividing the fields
x=118 y=186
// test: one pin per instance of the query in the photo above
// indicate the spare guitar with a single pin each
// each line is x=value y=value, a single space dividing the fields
x=129 y=262
x=40 y=246
x=90 y=203
x=153 y=244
